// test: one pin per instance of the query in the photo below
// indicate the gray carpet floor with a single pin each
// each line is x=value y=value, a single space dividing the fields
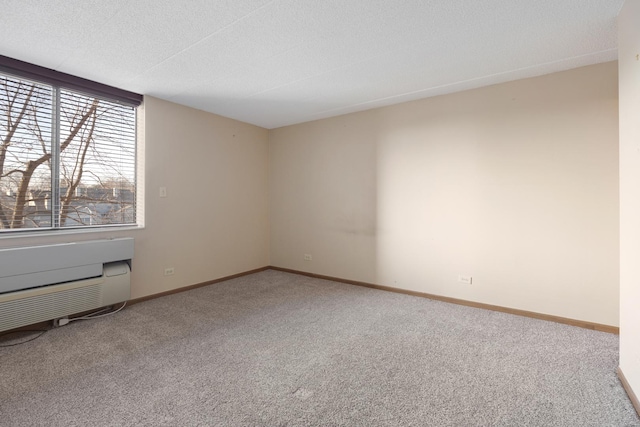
x=277 y=349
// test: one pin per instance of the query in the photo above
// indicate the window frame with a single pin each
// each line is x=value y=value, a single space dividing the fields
x=62 y=81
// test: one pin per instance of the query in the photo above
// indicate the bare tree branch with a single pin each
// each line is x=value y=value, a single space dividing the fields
x=32 y=165
x=95 y=187
x=6 y=141
x=79 y=166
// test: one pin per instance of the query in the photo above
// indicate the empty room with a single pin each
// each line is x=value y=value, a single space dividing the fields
x=320 y=213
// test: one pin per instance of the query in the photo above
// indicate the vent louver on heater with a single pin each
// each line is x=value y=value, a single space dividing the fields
x=28 y=274
x=39 y=308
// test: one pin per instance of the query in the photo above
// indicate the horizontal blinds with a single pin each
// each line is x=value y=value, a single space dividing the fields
x=67 y=159
x=25 y=112
x=97 y=160
x=25 y=139
x=57 y=78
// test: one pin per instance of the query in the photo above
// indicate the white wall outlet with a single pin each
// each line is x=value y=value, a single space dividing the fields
x=163 y=191
x=169 y=271
x=465 y=279
x=308 y=257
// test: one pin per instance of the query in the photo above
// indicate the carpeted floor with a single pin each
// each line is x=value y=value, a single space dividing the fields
x=277 y=349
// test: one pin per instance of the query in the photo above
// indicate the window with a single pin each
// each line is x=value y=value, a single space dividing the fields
x=67 y=151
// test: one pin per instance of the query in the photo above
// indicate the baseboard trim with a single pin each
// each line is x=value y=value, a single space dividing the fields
x=197 y=285
x=532 y=314
x=632 y=396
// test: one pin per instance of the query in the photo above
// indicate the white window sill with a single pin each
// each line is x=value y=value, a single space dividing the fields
x=28 y=234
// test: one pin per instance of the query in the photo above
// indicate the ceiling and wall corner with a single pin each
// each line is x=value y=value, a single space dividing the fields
x=279 y=62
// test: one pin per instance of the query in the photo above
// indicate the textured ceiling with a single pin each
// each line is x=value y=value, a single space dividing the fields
x=279 y=62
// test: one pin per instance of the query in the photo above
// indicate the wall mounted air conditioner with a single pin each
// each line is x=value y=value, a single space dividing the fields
x=41 y=283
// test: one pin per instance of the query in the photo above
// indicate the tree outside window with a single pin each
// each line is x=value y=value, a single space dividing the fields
x=67 y=159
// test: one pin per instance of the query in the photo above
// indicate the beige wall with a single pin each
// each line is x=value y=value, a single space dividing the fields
x=514 y=184
x=214 y=222
x=628 y=48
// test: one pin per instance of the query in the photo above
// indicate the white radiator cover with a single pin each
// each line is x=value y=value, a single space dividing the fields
x=41 y=283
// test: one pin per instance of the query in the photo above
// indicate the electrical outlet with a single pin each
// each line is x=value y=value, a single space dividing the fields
x=307 y=257
x=465 y=279
x=163 y=191
x=169 y=271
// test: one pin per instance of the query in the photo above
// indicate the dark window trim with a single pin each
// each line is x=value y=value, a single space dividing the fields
x=57 y=78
